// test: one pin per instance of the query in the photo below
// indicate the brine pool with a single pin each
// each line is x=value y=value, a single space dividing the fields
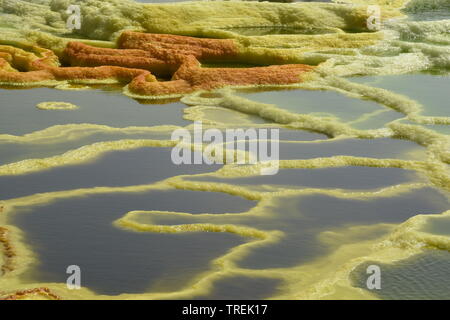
x=82 y=178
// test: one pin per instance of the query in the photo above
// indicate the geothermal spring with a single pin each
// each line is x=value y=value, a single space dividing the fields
x=88 y=111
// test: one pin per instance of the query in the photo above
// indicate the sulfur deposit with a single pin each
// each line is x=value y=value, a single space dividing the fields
x=365 y=149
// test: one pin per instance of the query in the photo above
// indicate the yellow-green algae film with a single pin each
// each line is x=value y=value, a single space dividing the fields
x=86 y=175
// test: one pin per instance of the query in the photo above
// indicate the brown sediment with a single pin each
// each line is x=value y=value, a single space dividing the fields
x=139 y=58
x=42 y=291
x=8 y=251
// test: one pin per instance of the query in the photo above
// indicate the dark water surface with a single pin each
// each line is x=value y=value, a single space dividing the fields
x=422 y=277
x=20 y=115
x=113 y=169
x=302 y=218
x=79 y=231
x=351 y=177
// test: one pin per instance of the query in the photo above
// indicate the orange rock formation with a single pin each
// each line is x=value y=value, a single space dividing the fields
x=140 y=58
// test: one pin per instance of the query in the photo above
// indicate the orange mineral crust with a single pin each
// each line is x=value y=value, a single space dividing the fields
x=23 y=294
x=162 y=45
x=139 y=58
